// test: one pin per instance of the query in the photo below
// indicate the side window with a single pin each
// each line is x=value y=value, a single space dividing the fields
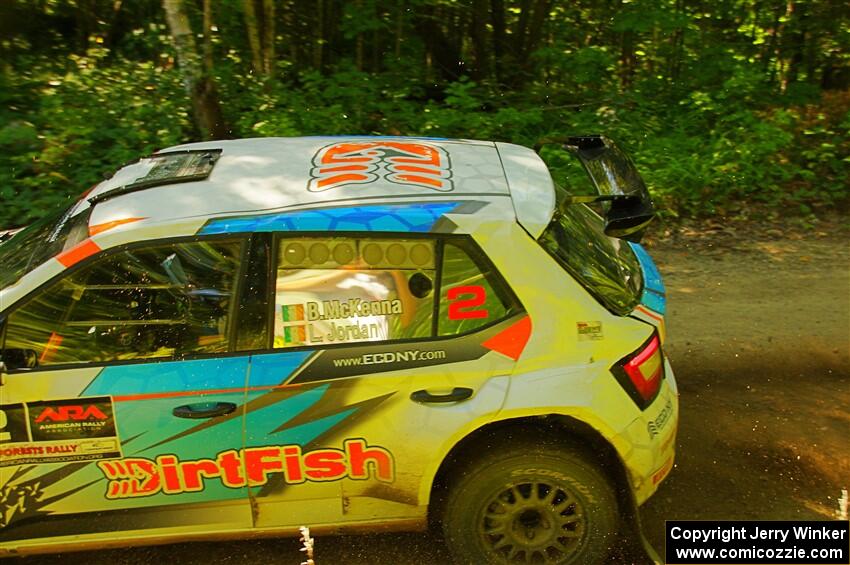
x=159 y=301
x=471 y=292
x=345 y=290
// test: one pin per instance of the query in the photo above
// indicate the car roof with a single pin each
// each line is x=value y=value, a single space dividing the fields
x=263 y=181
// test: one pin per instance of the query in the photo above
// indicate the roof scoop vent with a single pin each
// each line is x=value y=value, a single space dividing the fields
x=168 y=168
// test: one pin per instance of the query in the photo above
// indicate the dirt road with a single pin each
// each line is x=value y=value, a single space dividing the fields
x=760 y=341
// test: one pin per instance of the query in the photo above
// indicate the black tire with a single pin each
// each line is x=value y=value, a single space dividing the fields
x=524 y=505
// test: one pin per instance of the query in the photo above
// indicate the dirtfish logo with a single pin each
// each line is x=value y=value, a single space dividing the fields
x=350 y=163
x=137 y=476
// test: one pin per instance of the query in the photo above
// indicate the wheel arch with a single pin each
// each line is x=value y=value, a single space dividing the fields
x=563 y=429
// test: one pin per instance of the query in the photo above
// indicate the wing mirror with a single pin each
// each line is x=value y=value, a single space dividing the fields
x=627 y=206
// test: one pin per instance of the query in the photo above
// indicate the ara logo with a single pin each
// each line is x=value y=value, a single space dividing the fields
x=71 y=412
x=362 y=162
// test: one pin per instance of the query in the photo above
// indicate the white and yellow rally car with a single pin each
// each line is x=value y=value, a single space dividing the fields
x=237 y=338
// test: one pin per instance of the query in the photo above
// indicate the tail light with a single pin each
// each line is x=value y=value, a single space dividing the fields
x=640 y=373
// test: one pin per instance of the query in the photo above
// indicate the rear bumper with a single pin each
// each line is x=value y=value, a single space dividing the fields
x=652 y=438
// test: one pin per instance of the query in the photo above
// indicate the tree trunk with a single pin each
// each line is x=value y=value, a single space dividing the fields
x=208 y=25
x=399 y=28
x=677 y=51
x=785 y=62
x=268 y=37
x=359 y=39
x=86 y=22
x=538 y=21
x=522 y=24
x=294 y=57
x=318 y=57
x=200 y=86
x=497 y=15
x=253 y=35
x=770 y=48
x=442 y=52
x=478 y=34
x=627 y=59
x=377 y=44
x=112 y=32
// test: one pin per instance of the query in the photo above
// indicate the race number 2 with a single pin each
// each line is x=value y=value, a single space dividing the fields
x=13 y=424
x=464 y=302
x=4 y=421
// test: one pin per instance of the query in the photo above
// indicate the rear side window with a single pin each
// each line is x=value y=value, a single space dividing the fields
x=341 y=290
x=344 y=290
x=160 y=301
x=472 y=294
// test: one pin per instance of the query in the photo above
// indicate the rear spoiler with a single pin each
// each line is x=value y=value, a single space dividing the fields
x=627 y=204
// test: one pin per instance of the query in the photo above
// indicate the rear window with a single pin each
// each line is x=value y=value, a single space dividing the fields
x=606 y=266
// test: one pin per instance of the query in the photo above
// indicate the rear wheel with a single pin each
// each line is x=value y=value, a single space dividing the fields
x=523 y=506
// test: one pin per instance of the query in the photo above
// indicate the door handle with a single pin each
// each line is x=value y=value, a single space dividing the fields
x=204 y=410
x=456 y=395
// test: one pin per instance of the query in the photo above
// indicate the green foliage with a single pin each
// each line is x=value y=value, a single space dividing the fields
x=82 y=123
x=720 y=106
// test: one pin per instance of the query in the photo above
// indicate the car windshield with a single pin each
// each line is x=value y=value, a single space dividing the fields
x=42 y=240
x=606 y=266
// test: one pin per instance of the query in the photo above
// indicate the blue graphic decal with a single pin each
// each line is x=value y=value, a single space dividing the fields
x=154 y=417
x=148 y=427
x=416 y=217
x=170 y=376
x=262 y=423
x=274 y=369
x=309 y=431
x=654 y=294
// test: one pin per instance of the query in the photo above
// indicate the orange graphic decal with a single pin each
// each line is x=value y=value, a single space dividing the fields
x=131 y=478
x=511 y=341
x=99 y=228
x=363 y=162
x=77 y=253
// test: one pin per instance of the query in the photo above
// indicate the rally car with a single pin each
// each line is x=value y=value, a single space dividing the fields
x=238 y=338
